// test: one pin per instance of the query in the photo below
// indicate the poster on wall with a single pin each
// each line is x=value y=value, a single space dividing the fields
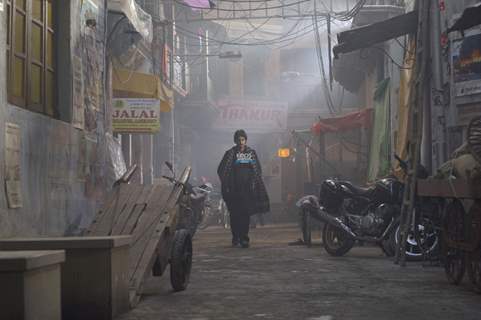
x=135 y=115
x=466 y=59
x=78 y=117
x=256 y=116
x=12 y=166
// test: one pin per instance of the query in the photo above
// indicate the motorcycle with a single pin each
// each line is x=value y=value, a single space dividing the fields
x=216 y=213
x=372 y=214
x=192 y=204
x=195 y=207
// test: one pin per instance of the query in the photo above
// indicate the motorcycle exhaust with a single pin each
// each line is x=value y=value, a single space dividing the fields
x=322 y=215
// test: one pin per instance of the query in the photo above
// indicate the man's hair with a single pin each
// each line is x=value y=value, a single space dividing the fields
x=238 y=134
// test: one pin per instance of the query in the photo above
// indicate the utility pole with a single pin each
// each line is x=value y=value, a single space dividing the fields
x=419 y=96
x=329 y=44
x=438 y=102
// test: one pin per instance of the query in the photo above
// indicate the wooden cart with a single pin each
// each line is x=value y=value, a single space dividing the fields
x=461 y=217
x=149 y=214
x=461 y=228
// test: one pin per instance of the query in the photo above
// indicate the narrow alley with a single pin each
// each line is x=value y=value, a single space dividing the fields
x=141 y=140
x=272 y=280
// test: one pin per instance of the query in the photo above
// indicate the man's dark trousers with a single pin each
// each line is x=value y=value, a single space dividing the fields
x=239 y=219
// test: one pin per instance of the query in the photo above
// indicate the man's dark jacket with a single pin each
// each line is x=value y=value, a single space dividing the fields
x=257 y=187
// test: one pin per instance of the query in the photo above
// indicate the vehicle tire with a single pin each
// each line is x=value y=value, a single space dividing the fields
x=429 y=240
x=335 y=241
x=455 y=266
x=473 y=266
x=388 y=245
x=181 y=260
x=306 y=227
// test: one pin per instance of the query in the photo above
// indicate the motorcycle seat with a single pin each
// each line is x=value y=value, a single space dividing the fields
x=359 y=191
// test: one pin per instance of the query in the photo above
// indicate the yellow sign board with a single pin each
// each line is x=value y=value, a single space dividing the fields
x=136 y=115
x=283 y=152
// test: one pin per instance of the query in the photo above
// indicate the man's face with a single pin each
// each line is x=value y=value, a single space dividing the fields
x=242 y=141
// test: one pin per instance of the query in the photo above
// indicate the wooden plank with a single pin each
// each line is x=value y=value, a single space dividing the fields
x=144 y=261
x=140 y=208
x=152 y=237
x=104 y=216
x=378 y=32
x=124 y=215
x=105 y=228
x=146 y=226
x=152 y=212
x=454 y=188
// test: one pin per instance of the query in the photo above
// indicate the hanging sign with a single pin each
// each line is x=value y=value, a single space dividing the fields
x=136 y=115
x=257 y=116
x=466 y=55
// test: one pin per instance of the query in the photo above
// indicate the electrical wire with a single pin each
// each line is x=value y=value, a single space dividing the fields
x=390 y=58
x=244 y=10
x=270 y=41
x=326 y=91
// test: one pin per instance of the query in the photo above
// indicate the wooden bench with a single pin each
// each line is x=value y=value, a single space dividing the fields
x=30 y=285
x=94 y=276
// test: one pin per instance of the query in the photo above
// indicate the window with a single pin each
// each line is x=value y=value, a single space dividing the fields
x=31 y=54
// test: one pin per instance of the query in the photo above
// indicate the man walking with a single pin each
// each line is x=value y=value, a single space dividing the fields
x=242 y=187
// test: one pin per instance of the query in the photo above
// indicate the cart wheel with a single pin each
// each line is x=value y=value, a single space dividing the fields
x=455 y=266
x=474 y=138
x=473 y=264
x=181 y=260
x=453 y=230
x=306 y=227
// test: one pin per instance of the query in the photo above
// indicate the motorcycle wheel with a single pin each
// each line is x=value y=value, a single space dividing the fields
x=429 y=240
x=335 y=241
x=306 y=227
x=388 y=245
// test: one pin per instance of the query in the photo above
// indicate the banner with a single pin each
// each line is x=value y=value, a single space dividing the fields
x=136 y=115
x=350 y=121
x=380 y=156
x=255 y=116
x=466 y=55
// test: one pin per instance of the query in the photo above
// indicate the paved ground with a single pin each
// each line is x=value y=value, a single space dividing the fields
x=272 y=280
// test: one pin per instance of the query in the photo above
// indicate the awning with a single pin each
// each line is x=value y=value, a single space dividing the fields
x=132 y=84
x=140 y=20
x=367 y=36
x=353 y=120
x=471 y=17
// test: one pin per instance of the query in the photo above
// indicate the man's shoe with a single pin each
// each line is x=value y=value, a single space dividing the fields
x=235 y=242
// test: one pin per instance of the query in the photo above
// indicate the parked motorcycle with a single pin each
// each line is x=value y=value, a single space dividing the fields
x=370 y=214
x=192 y=204
x=216 y=212
x=194 y=207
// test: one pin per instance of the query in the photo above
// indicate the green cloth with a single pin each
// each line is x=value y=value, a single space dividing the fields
x=380 y=151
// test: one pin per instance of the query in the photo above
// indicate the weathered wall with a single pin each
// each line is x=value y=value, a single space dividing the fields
x=63 y=176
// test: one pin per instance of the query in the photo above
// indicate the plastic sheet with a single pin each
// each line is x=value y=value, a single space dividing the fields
x=140 y=20
x=115 y=161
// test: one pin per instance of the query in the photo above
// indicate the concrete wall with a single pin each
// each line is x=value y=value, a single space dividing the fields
x=63 y=176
